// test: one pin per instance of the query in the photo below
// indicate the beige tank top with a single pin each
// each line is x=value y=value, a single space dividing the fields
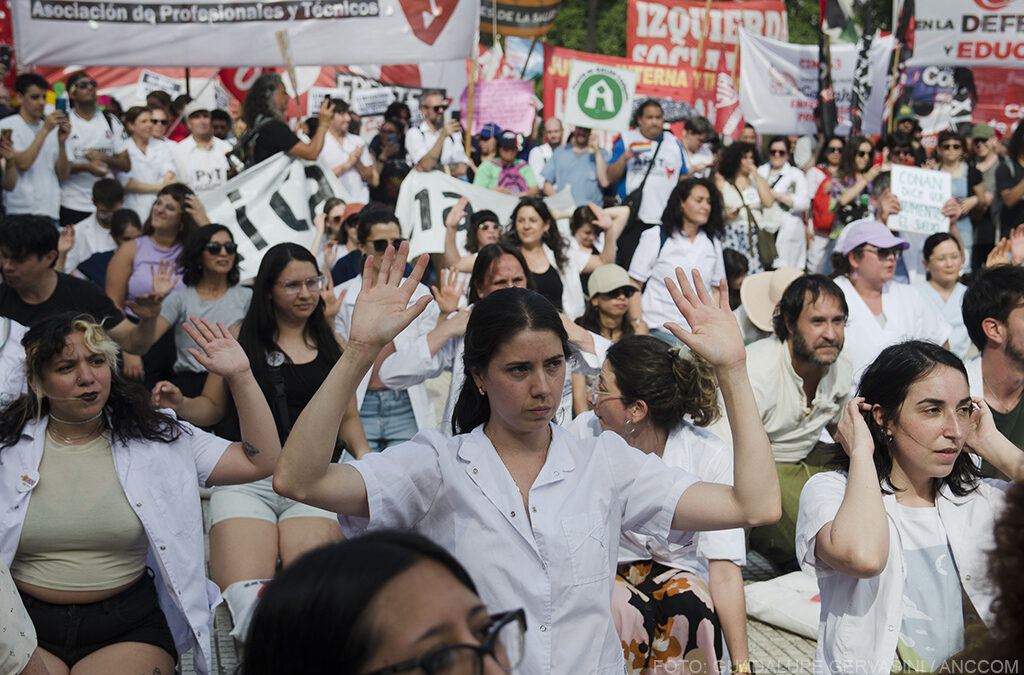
x=80 y=533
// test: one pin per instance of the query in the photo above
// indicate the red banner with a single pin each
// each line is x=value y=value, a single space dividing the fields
x=683 y=92
x=1000 y=98
x=668 y=32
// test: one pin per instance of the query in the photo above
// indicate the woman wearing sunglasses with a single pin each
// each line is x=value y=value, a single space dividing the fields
x=609 y=290
x=209 y=270
x=690 y=237
x=968 y=187
x=390 y=415
x=364 y=607
x=152 y=165
x=288 y=338
x=883 y=312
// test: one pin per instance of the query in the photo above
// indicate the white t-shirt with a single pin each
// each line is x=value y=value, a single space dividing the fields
x=38 y=190
x=419 y=140
x=90 y=239
x=649 y=265
x=335 y=154
x=538 y=158
x=94 y=134
x=933 y=620
x=200 y=169
x=668 y=165
x=148 y=167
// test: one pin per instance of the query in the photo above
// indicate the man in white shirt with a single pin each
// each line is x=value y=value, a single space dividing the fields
x=199 y=160
x=96 y=147
x=347 y=156
x=541 y=154
x=801 y=381
x=436 y=144
x=39 y=154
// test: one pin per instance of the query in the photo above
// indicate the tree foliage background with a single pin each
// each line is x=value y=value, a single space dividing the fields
x=570 y=27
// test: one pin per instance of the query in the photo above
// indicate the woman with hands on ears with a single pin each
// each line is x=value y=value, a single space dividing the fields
x=533 y=513
x=898 y=535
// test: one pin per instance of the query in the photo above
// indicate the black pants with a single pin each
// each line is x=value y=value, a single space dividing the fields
x=73 y=632
x=71 y=217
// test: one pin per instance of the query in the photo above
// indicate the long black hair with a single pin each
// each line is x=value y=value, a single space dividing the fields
x=494 y=320
x=258 y=334
x=190 y=261
x=672 y=216
x=885 y=383
x=128 y=412
x=553 y=238
x=313 y=619
x=732 y=157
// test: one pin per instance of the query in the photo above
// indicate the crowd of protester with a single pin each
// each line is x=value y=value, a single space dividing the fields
x=711 y=355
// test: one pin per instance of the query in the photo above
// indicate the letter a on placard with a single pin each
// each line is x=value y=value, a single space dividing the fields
x=600 y=97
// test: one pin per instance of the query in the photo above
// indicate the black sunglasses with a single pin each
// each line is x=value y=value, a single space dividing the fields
x=440 y=108
x=159 y=121
x=628 y=291
x=82 y=84
x=779 y=153
x=214 y=248
x=381 y=245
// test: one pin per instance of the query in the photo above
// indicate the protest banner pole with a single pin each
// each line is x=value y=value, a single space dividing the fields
x=188 y=83
x=735 y=68
x=526 y=64
x=284 y=45
x=703 y=31
x=206 y=86
x=889 y=124
x=467 y=134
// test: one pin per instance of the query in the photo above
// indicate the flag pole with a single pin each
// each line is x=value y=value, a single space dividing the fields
x=467 y=134
x=703 y=31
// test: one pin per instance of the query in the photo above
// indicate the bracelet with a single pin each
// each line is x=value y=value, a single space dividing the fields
x=743 y=667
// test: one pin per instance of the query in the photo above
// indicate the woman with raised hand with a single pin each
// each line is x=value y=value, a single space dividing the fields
x=672 y=602
x=104 y=536
x=532 y=512
x=152 y=165
x=287 y=336
x=898 y=535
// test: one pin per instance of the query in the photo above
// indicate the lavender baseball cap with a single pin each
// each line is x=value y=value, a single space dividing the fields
x=868 y=231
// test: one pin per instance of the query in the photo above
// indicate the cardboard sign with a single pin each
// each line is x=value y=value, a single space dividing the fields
x=922 y=194
x=507 y=103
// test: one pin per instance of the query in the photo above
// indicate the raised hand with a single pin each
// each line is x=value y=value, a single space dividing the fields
x=1017 y=244
x=999 y=255
x=164 y=277
x=218 y=351
x=146 y=306
x=133 y=366
x=67 y=239
x=601 y=218
x=852 y=431
x=166 y=395
x=194 y=207
x=456 y=214
x=330 y=255
x=714 y=333
x=450 y=293
x=332 y=302
x=382 y=309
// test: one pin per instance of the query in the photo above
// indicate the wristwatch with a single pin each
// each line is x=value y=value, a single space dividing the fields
x=744 y=667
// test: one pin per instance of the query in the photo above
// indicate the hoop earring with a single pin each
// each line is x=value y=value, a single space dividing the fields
x=629 y=427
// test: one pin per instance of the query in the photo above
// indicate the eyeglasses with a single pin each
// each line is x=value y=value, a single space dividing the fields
x=628 y=291
x=951 y=146
x=778 y=153
x=337 y=220
x=504 y=642
x=214 y=248
x=596 y=394
x=439 y=108
x=381 y=245
x=156 y=121
x=488 y=226
x=903 y=152
x=864 y=154
x=83 y=84
x=832 y=149
x=312 y=284
x=885 y=253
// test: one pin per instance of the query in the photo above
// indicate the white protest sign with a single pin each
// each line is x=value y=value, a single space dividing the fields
x=425 y=199
x=921 y=193
x=372 y=101
x=599 y=97
x=271 y=203
x=150 y=81
x=317 y=95
x=195 y=33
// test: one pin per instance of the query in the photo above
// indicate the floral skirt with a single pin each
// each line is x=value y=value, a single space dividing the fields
x=666 y=620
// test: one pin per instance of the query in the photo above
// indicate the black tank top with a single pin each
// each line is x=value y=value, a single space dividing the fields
x=549 y=285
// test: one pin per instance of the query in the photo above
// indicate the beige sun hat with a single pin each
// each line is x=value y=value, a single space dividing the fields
x=759 y=294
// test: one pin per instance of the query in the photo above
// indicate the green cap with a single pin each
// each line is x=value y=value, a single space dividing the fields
x=905 y=112
x=982 y=132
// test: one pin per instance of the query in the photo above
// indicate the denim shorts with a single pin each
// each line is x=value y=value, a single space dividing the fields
x=73 y=632
x=258 y=500
x=388 y=418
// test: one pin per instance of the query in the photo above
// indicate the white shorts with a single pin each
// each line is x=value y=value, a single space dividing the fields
x=258 y=500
